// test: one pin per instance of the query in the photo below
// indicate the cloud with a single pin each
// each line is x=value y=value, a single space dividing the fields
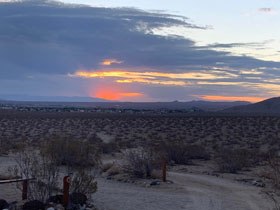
x=41 y=42
x=109 y=62
x=267 y=10
x=232 y=45
x=53 y=38
x=153 y=75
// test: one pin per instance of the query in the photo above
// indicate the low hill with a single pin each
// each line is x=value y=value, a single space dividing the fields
x=269 y=106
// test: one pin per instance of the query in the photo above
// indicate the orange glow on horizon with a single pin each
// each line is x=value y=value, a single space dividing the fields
x=130 y=94
x=231 y=98
x=114 y=94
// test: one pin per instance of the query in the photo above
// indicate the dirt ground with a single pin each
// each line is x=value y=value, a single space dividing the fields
x=189 y=191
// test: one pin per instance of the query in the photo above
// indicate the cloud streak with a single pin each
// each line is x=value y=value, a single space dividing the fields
x=267 y=10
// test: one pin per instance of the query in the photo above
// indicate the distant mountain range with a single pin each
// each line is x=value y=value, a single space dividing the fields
x=269 y=106
x=89 y=102
x=29 y=98
x=199 y=105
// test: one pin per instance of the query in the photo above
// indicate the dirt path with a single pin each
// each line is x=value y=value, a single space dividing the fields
x=189 y=192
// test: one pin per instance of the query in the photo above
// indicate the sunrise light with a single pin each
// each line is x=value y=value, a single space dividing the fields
x=114 y=93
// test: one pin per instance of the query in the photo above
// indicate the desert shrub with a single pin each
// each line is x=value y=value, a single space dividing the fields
x=114 y=170
x=33 y=164
x=234 y=160
x=274 y=169
x=82 y=163
x=177 y=153
x=180 y=152
x=197 y=152
x=81 y=158
x=71 y=153
x=140 y=162
x=6 y=146
x=83 y=181
x=108 y=148
x=105 y=167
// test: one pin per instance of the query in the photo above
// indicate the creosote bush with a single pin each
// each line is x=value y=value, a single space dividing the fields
x=140 y=162
x=234 y=160
x=44 y=164
x=83 y=181
x=180 y=152
x=34 y=164
x=71 y=153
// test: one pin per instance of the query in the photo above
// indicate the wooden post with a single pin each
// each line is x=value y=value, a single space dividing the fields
x=164 y=171
x=24 y=189
x=66 y=186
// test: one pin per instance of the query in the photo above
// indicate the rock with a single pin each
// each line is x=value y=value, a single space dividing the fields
x=56 y=199
x=59 y=207
x=90 y=204
x=258 y=183
x=155 y=183
x=110 y=177
x=3 y=204
x=78 y=198
x=124 y=180
x=33 y=205
x=51 y=208
x=169 y=182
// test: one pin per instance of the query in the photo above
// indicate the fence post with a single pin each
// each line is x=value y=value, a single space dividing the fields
x=66 y=186
x=24 y=189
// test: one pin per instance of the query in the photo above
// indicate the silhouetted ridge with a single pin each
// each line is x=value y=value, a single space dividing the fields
x=269 y=106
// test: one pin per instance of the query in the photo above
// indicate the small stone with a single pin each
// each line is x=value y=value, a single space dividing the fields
x=169 y=182
x=155 y=183
x=59 y=207
x=110 y=177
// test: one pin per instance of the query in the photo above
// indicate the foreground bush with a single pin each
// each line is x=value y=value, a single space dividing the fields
x=33 y=164
x=234 y=160
x=71 y=153
x=181 y=153
x=44 y=164
x=140 y=162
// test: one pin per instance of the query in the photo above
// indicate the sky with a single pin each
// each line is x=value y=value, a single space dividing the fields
x=141 y=50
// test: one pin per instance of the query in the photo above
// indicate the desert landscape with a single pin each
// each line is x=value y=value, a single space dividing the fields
x=139 y=105
x=213 y=162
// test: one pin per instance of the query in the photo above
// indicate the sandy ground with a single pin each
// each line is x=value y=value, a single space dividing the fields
x=189 y=192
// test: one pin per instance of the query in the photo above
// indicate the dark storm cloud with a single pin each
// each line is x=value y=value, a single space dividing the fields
x=43 y=37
